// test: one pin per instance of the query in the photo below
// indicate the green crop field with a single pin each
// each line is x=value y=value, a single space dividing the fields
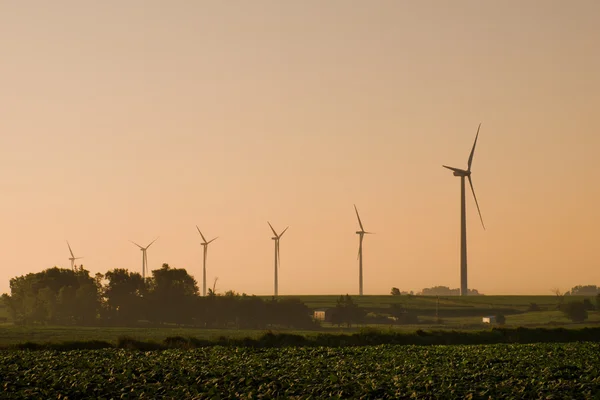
x=550 y=371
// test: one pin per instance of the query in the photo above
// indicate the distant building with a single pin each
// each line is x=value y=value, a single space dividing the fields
x=489 y=320
x=321 y=314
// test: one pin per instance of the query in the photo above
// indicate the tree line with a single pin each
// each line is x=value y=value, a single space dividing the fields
x=60 y=296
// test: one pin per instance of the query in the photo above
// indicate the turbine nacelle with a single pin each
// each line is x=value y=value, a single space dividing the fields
x=458 y=171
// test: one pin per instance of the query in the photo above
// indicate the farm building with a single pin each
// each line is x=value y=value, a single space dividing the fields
x=322 y=314
x=489 y=320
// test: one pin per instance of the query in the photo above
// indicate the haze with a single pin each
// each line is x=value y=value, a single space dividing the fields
x=129 y=120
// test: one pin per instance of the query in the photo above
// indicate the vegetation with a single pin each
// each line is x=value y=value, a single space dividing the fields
x=362 y=337
x=501 y=319
x=446 y=291
x=575 y=311
x=170 y=296
x=583 y=290
x=493 y=371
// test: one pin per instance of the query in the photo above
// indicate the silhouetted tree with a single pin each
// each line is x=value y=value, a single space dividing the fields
x=588 y=305
x=402 y=315
x=50 y=296
x=171 y=296
x=500 y=319
x=124 y=294
x=346 y=312
x=395 y=291
x=575 y=311
x=583 y=290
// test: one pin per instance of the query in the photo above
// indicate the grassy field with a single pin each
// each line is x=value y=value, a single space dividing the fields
x=456 y=313
x=10 y=334
x=423 y=303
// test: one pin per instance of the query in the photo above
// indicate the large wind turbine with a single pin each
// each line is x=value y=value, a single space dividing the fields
x=361 y=234
x=72 y=258
x=205 y=245
x=463 y=217
x=276 y=239
x=144 y=257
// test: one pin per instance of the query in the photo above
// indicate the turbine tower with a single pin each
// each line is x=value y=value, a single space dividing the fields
x=361 y=234
x=144 y=256
x=72 y=258
x=463 y=217
x=277 y=259
x=205 y=245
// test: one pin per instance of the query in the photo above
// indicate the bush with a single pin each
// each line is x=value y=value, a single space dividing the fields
x=588 y=305
x=500 y=319
x=575 y=311
x=534 y=307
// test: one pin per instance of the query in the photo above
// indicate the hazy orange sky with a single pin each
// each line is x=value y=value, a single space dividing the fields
x=127 y=120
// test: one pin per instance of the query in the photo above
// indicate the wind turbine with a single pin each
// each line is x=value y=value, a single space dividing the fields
x=277 y=259
x=144 y=256
x=361 y=234
x=463 y=217
x=72 y=258
x=205 y=245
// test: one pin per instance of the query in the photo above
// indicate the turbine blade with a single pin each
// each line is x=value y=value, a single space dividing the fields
x=278 y=255
x=77 y=258
x=136 y=244
x=359 y=221
x=212 y=240
x=71 y=251
x=274 y=233
x=454 y=169
x=152 y=242
x=281 y=234
x=473 y=149
x=201 y=234
x=476 y=203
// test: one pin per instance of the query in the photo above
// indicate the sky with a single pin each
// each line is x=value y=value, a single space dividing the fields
x=134 y=120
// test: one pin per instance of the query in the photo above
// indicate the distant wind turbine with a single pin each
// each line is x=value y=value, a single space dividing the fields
x=72 y=258
x=276 y=238
x=144 y=256
x=205 y=245
x=361 y=234
x=463 y=217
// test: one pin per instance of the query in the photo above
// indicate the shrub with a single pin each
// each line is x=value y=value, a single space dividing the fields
x=500 y=319
x=534 y=307
x=575 y=311
x=588 y=305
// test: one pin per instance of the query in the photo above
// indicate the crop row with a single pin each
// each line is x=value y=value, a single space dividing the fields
x=490 y=371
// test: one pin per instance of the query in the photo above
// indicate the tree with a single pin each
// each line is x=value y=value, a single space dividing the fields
x=500 y=319
x=49 y=297
x=446 y=291
x=402 y=315
x=124 y=294
x=395 y=291
x=171 y=296
x=588 y=305
x=575 y=311
x=584 y=290
x=346 y=312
